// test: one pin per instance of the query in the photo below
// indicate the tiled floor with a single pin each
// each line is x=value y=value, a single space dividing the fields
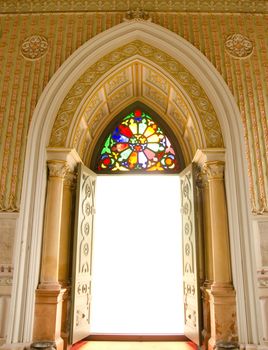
x=133 y=345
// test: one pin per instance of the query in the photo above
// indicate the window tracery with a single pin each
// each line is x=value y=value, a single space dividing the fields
x=137 y=143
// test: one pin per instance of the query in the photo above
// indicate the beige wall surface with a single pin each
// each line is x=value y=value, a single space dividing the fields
x=24 y=75
x=8 y=223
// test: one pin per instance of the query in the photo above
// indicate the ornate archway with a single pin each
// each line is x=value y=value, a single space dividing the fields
x=62 y=102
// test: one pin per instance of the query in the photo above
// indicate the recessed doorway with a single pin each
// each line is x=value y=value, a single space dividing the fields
x=137 y=283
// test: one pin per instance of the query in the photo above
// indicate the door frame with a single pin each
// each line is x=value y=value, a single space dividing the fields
x=30 y=228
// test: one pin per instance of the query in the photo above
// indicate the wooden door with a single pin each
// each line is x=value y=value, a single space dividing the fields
x=82 y=254
x=191 y=288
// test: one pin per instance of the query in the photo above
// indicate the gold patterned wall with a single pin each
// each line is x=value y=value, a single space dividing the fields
x=24 y=75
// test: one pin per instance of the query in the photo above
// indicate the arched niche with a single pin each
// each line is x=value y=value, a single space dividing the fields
x=136 y=71
x=61 y=106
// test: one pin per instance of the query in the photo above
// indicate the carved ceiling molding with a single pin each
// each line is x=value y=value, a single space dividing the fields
x=227 y=6
x=132 y=82
x=196 y=94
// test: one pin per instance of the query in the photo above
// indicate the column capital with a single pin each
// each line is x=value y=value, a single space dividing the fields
x=202 y=179
x=57 y=168
x=214 y=170
x=69 y=155
x=69 y=179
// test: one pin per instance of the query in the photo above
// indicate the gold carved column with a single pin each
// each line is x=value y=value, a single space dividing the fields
x=208 y=262
x=65 y=251
x=48 y=306
x=222 y=294
x=222 y=277
x=218 y=288
x=207 y=234
x=49 y=278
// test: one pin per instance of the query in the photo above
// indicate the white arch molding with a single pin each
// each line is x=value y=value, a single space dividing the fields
x=29 y=234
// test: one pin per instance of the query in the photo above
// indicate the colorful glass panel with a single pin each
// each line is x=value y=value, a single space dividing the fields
x=137 y=143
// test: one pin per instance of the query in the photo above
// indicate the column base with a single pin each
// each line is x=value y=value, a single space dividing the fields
x=206 y=317
x=47 y=320
x=224 y=287
x=65 y=317
x=222 y=315
x=49 y=286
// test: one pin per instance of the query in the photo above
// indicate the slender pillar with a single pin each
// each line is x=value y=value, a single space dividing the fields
x=208 y=261
x=49 y=295
x=66 y=229
x=207 y=234
x=65 y=251
x=52 y=226
x=219 y=225
x=222 y=294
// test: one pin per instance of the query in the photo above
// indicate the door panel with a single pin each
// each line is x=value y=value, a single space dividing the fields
x=191 y=289
x=82 y=254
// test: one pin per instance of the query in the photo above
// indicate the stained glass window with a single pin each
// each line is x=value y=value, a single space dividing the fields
x=137 y=143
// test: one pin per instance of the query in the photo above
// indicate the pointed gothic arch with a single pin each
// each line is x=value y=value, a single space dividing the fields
x=26 y=273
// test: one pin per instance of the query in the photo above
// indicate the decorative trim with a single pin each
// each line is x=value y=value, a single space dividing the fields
x=137 y=15
x=6 y=270
x=238 y=46
x=57 y=168
x=6 y=281
x=214 y=170
x=34 y=47
x=10 y=207
x=70 y=179
x=263 y=282
x=262 y=277
x=227 y=6
x=6 y=275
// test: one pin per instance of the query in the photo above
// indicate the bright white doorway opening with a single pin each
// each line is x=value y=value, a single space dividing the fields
x=137 y=256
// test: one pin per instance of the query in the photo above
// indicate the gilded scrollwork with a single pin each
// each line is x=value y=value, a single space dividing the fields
x=117 y=81
x=238 y=45
x=6 y=274
x=34 y=47
x=227 y=6
x=157 y=80
x=137 y=15
x=155 y=96
x=119 y=97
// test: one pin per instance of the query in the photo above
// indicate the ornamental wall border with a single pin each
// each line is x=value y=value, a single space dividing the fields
x=215 y=6
x=180 y=74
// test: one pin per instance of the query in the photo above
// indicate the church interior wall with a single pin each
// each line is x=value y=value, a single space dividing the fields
x=26 y=68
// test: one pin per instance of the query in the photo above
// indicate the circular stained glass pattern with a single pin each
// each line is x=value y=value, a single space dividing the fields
x=137 y=143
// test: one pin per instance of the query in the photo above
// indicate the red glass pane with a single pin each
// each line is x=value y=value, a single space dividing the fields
x=138 y=113
x=125 y=130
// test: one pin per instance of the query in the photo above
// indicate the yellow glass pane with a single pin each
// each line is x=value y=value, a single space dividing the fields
x=149 y=131
x=134 y=128
x=153 y=138
x=133 y=158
